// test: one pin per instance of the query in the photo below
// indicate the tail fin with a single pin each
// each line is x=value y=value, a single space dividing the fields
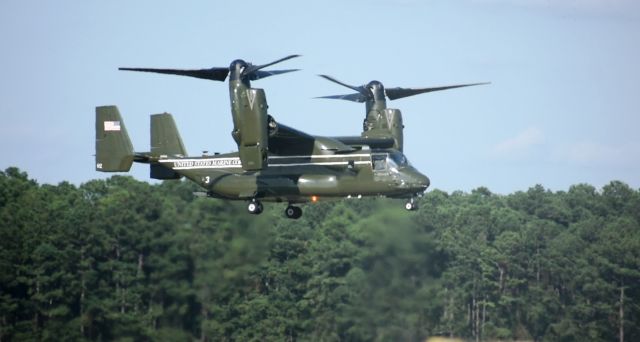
x=165 y=142
x=114 y=152
x=165 y=139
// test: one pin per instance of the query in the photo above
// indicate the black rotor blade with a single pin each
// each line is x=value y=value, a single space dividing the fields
x=396 y=93
x=256 y=75
x=215 y=74
x=357 y=97
x=253 y=68
x=360 y=89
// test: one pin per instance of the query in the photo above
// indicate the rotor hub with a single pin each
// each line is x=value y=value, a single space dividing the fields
x=237 y=69
x=376 y=90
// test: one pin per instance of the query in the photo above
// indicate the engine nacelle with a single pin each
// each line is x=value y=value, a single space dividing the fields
x=385 y=123
x=251 y=131
x=394 y=117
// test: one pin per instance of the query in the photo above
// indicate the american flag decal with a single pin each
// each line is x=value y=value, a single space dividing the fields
x=111 y=126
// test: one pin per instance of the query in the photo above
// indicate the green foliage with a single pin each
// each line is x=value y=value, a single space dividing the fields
x=120 y=259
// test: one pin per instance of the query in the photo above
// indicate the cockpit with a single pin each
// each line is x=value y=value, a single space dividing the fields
x=388 y=161
x=392 y=168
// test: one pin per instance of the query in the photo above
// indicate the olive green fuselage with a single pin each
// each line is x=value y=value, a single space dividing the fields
x=304 y=178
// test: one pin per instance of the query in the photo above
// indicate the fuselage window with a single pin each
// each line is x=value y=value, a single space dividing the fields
x=379 y=162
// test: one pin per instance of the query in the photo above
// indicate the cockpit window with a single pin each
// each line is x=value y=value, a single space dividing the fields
x=389 y=161
x=399 y=158
x=379 y=162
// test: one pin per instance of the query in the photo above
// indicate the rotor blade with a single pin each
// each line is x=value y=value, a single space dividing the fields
x=253 y=68
x=256 y=75
x=357 y=97
x=215 y=74
x=396 y=93
x=360 y=89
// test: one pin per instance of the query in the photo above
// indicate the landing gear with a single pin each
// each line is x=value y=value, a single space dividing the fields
x=293 y=212
x=411 y=205
x=254 y=207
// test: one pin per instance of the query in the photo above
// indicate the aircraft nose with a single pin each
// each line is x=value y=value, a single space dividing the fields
x=417 y=181
x=422 y=181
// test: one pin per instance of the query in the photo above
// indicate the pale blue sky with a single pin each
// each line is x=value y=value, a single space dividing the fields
x=563 y=106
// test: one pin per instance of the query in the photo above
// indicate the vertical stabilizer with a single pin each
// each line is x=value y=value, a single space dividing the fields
x=114 y=152
x=165 y=143
x=165 y=139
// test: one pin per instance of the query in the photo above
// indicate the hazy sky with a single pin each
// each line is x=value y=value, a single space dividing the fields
x=563 y=106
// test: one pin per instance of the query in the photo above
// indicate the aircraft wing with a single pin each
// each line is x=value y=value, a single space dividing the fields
x=290 y=141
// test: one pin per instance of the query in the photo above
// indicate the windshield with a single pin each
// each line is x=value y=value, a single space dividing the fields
x=398 y=158
x=391 y=161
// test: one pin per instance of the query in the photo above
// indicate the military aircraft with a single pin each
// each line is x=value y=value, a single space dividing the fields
x=274 y=162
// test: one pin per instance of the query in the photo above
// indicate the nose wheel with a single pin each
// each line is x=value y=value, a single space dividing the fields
x=411 y=205
x=293 y=212
x=254 y=207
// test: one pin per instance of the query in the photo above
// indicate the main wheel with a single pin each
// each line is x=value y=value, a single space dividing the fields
x=254 y=207
x=293 y=212
x=411 y=205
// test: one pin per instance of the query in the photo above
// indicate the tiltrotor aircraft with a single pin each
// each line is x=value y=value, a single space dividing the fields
x=274 y=162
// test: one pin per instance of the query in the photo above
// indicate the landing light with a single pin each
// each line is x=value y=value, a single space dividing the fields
x=314 y=198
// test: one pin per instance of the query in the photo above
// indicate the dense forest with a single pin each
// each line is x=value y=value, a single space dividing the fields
x=120 y=259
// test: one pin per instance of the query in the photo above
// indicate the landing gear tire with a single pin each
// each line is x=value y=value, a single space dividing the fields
x=411 y=205
x=254 y=207
x=293 y=212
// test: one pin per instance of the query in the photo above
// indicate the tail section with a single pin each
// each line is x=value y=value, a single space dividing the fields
x=165 y=143
x=114 y=152
x=165 y=139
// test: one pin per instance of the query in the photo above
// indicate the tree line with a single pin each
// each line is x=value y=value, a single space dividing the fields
x=121 y=259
